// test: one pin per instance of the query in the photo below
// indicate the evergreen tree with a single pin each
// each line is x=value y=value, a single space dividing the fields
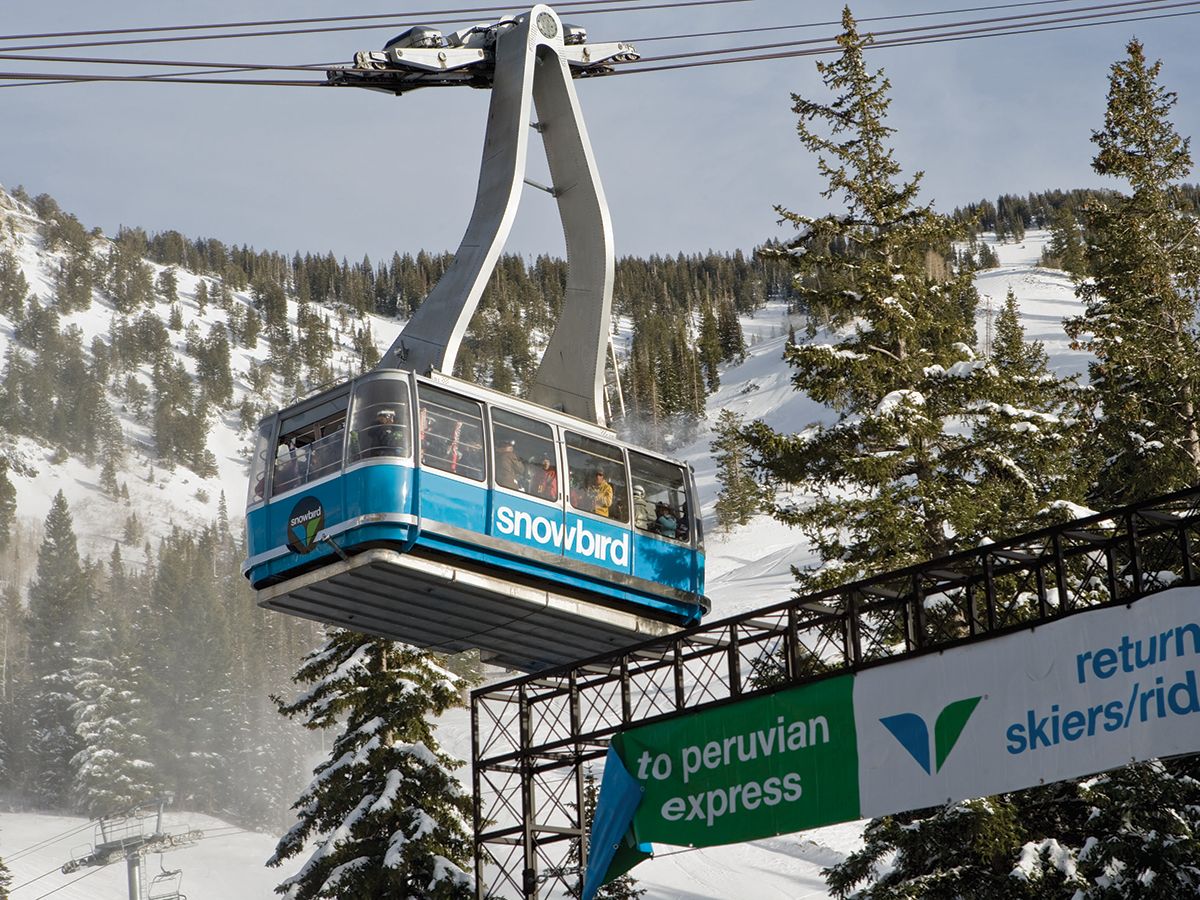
x=1141 y=304
x=1066 y=249
x=385 y=812
x=13 y=286
x=58 y=600
x=8 y=504
x=167 y=286
x=112 y=768
x=900 y=368
x=710 y=349
x=740 y=497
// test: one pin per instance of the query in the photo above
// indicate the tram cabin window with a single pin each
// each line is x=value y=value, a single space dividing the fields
x=451 y=433
x=659 y=497
x=598 y=480
x=259 y=464
x=381 y=428
x=309 y=445
x=524 y=455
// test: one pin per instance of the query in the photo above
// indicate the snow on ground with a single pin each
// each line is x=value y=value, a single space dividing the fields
x=746 y=569
x=225 y=864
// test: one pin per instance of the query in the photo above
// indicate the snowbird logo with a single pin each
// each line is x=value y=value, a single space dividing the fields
x=913 y=734
x=304 y=524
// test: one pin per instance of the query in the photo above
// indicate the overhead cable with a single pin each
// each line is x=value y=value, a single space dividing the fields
x=640 y=7
x=902 y=42
x=1093 y=11
x=919 y=15
x=237 y=67
x=264 y=23
x=996 y=27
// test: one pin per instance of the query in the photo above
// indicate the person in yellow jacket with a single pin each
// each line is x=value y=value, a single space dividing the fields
x=601 y=494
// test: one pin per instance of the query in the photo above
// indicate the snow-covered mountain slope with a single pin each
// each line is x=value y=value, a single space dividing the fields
x=748 y=568
x=160 y=498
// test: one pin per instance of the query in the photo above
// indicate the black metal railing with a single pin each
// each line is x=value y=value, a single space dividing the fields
x=533 y=737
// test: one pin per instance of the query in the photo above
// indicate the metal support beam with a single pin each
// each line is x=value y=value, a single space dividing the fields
x=532 y=70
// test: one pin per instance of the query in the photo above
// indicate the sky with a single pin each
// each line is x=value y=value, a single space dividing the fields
x=690 y=159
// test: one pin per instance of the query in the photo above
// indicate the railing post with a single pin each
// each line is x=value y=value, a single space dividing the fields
x=1060 y=573
x=1135 y=562
x=735 y=663
x=917 y=618
x=853 y=637
x=626 y=693
x=792 y=645
x=680 y=696
x=989 y=590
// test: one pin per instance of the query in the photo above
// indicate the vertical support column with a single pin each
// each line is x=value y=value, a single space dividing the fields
x=476 y=801
x=577 y=765
x=529 y=872
x=133 y=869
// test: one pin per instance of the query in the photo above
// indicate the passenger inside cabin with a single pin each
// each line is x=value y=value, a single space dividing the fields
x=664 y=520
x=643 y=510
x=384 y=438
x=545 y=482
x=510 y=468
x=601 y=493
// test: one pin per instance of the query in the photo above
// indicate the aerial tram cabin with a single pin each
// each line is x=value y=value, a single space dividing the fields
x=420 y=507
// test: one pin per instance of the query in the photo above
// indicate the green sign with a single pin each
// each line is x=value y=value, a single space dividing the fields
x=765 y=766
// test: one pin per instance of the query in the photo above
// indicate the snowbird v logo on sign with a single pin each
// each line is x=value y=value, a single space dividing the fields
x=304 y=524
x=913 y=733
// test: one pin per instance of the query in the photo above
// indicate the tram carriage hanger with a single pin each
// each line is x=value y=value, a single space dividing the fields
x=383 y=505
x=528 y=63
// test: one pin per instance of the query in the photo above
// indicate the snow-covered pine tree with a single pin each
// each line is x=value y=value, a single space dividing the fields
x=58 y=600
x=8 y=503
x=1141 y=303
x=1029 y=432
x=113 y=771
x=113 y=768
x=384 y=811
x=1131 y=833
x=897 y=479
x=740 y=497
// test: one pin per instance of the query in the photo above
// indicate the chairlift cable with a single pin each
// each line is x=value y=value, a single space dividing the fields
x=32 y=880
x=25 y=851
x=86 y=874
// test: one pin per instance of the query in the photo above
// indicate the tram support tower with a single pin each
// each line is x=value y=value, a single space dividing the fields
x=528 y=63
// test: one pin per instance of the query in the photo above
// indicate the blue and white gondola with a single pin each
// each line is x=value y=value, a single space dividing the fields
x=417 y=527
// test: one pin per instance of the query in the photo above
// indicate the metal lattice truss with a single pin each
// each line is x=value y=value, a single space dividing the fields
x=534 y=738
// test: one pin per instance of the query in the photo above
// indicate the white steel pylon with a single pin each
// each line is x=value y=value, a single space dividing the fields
x=532 y=67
